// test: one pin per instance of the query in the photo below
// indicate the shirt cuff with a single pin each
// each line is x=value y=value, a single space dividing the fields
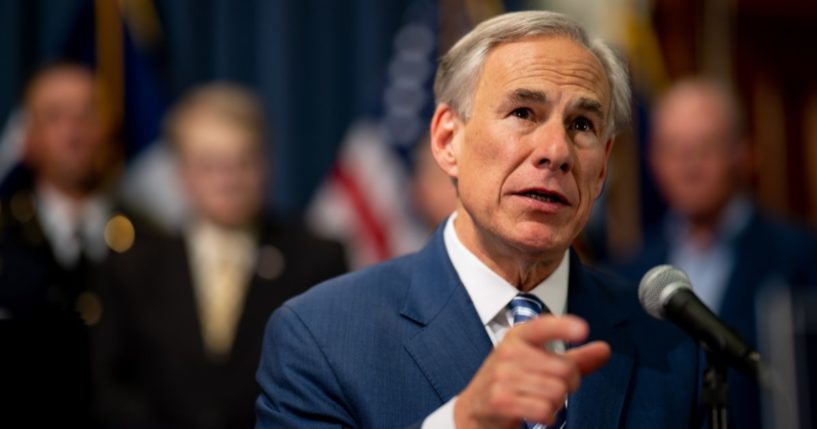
x=441 y=418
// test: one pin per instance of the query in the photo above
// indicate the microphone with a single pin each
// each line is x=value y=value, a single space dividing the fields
x=665 y=293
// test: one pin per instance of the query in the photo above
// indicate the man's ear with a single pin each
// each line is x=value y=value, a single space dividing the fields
x=608 y=149
x=444 y=138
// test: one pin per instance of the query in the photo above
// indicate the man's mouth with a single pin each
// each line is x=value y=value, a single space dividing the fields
x=545 y=196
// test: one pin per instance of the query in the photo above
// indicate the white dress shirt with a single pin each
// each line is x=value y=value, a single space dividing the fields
x=73 y=226
x=491 y=295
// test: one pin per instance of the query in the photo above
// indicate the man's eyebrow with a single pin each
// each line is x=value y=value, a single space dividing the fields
x=590 y=105
x=529 y=95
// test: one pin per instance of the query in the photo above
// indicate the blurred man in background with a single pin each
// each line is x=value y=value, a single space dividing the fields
x=180 y=338
x=54 y=213
x=713 y=231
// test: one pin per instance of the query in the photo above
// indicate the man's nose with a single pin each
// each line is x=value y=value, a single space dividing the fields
x=553 y=147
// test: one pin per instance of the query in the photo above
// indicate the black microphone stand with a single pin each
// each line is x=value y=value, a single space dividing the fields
x=715 y=395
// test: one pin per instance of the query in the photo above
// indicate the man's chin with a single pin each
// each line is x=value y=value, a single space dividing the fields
x=84 y=183
x=538 y=242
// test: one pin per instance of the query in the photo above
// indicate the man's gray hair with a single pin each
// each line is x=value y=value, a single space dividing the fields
x=460 y=68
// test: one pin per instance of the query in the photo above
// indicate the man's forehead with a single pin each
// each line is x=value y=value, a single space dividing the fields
x=56 y=86
x=202 y=130
x=539 y=61
x=693 y=100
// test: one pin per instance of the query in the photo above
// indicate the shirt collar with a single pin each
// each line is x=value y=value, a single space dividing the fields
x=489 y=292
x=66 y=222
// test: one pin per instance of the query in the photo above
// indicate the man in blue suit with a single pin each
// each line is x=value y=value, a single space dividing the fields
x=713 y=231
x=448 y=337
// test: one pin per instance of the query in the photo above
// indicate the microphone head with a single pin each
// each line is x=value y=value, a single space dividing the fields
x=657 y=287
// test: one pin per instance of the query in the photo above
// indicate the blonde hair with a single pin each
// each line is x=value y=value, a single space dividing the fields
x=227 y=102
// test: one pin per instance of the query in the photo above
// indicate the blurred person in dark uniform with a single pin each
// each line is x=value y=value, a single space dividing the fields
x=180 y=335
x=54 y=214
x=713 y=230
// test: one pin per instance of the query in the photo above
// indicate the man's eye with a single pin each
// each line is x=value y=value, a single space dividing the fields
x=583 y=124
x=523 y=113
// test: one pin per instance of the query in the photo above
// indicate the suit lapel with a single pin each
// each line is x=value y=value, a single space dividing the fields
x=452 y=343
x=599 y=401
x=177 y=298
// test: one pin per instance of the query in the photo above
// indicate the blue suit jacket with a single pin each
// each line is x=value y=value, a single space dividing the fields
x=767 y=252
x=386 y=346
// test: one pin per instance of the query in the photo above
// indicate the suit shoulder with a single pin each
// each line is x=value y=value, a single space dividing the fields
x=788 y=234
x=273 y=228
x=149 y=245
x=613 y=284
x=622 y=292
x=296 y=239
x=652 y=251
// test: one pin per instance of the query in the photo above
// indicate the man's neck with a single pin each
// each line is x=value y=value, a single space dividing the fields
x=705 y=228
x=725 y=222
x=702 y=233
x=76 y=194
x=71 y=202
x=521 y=269
x=201 y=224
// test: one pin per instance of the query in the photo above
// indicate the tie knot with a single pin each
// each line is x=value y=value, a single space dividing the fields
x=526 y=306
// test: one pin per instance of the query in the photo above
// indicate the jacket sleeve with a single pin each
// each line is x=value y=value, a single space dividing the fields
x=299 y=388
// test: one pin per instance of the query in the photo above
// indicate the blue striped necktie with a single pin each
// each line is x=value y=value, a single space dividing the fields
x=524 y=307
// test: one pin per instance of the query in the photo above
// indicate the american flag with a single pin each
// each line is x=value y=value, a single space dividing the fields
x=364 y=201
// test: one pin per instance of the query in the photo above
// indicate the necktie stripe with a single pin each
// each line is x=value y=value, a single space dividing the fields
x=525 y=307
x=533 y=301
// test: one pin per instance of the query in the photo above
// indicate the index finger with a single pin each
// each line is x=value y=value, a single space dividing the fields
x=544 y=329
